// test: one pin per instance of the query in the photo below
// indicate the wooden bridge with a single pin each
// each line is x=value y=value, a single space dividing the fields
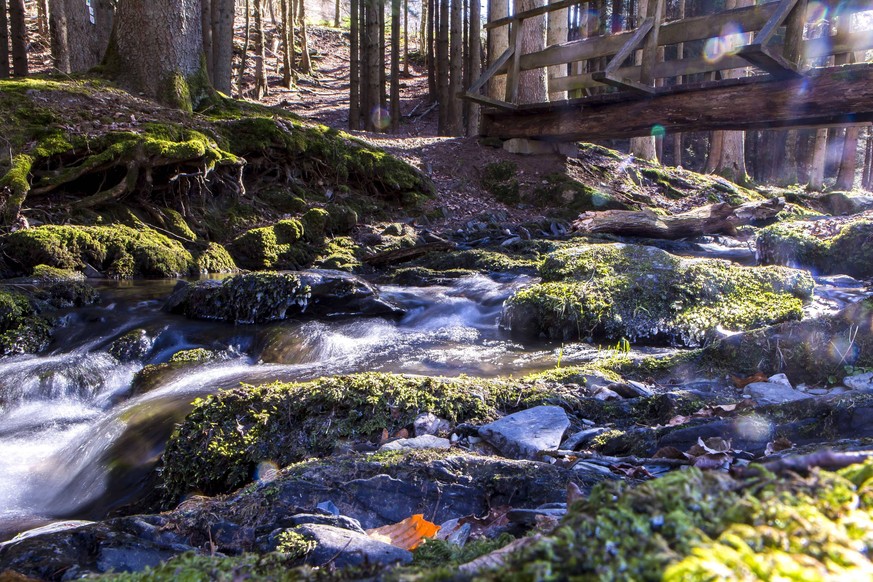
x=629 y=89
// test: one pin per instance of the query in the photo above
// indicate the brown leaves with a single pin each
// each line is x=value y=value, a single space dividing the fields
x=406 y=534
x=780 y=444
x=743 y=382
x=714 y=410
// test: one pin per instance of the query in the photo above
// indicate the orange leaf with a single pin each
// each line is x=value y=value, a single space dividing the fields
x=743 y=382
x=406 y=534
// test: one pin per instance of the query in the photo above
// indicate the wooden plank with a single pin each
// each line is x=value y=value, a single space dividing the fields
x=622 y=82
x=492 y=70
x=836 y=95
x=488 y=101
x=512 y=76
x=630 y=46
x=531 y=13
x=782 y=11
x=812 y=49
x=769 y=60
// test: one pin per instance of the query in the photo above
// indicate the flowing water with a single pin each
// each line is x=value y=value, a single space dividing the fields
x=78 y=438
x=70 y=415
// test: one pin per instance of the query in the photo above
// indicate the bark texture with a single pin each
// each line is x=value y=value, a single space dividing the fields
x=157 y=50
x=532 y=84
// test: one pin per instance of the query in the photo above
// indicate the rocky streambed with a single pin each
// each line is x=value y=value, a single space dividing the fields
x=326 y=407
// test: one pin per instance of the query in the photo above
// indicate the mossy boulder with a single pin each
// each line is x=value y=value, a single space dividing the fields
x=215 y=259
x=228 y=434
x=280 y=246
x=830 y=246
x=695 y=525
x=614 y=291
x=480 y=260
x=263 y=297
x=119 y=251
x=22 y=328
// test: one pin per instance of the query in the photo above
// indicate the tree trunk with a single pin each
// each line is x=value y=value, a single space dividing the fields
x=354 y=67
x=532 y=84
x=305 y=61
x=848 y=162
x=475 y=63
x=208 y=49
x=247 y=39
x=498 y=41
x=77 y=43
x=287 y=31
x=442 y=72
x=18 y=32
x=557 y=33
x=374 y=64
x=456 y=117
x=156 y=49
x=432 y=15
x=222 y=44
x=867 y=177
x=42 y=15
x=645 y=147
x=395 y=66
x=819 y=159
x=4 y=41
x=261 y=87
x=337 y=13
x=406 y=38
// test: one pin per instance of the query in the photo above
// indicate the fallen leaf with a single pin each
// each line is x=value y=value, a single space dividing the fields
x=669 y=453
x=401 y=434
x=631 y=471
x=406 y=534
x=385 y=436
x=780 y=444
x=713 y=461
x=677 y=420
x=743 y=382
x=714 y=444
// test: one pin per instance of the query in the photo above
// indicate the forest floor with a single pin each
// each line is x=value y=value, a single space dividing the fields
x=454 y=164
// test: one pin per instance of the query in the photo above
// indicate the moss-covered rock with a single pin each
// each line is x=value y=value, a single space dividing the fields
x=22 y=328
x=280 y=246
x=118 y=251
x=227 y=435
x=480 y=260
x=826 y=247
x=614 y=291
x=215 y=259
x=693 y=525
x=499 y=178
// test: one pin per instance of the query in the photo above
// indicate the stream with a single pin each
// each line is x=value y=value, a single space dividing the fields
x=71 y=415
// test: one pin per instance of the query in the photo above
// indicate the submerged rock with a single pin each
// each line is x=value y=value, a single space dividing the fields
x=263 y=297
x=615 y=291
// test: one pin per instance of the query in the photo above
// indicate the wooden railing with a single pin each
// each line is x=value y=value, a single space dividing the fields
x=782 y=60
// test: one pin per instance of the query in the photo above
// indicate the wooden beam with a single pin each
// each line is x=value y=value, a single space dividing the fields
x=831 y=96
x=492 y=70
x=769 y=60
x=488 y=101
x=782 y=11
x=512 y=77
x=531 y=13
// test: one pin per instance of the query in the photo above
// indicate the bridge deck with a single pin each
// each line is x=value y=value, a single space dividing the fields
x=828 y=96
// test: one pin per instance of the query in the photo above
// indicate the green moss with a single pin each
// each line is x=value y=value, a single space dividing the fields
x=615 y=291
x=195 y=355
x=482 y=260
x=341 y=253
x=49 y=275
x=849 y=251
x=17 y=182
x=499 y=179
x=692 y=525
x=315 y=221
x=176 y=224
x=193 y=567
x=247 y=298
x=273 y=247
x=570 y=197
x=227 y=435
x=215 y=259
x=22 y=329
x=119 y=251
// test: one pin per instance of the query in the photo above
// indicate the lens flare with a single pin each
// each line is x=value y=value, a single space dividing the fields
x=380 y=117
x=753 y=428
x=658 y=130
x=726 y=44
x=816 y=13
x=267 y=471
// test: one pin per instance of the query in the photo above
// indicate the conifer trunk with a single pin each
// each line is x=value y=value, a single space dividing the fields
x=4 y=41
x=395 y=66
x=261 y=88
x=18 y=32
x=354 y=67
x=455 y=115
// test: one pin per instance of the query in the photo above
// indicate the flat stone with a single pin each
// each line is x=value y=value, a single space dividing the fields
x=523 y=434
x=780 y=379
x=343 y=548
x=429 y=423
x=532 y=147
x=582 y=438
x=425 y=441
x=859 y=381
x=773 y=393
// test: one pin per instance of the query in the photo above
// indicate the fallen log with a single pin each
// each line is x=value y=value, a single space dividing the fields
x=406 y=254
x=721 y=218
